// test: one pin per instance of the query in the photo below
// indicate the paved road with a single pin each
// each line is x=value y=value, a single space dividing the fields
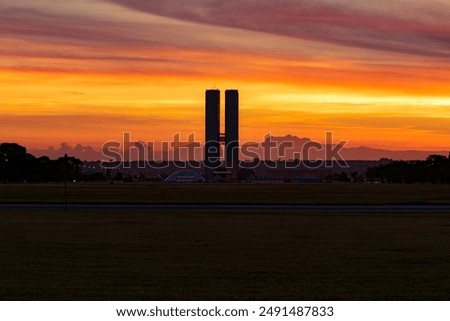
x=231 y=208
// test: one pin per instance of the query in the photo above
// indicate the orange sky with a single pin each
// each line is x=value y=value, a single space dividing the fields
x=89 y=71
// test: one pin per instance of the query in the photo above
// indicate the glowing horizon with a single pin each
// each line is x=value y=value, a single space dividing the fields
x=375 y=74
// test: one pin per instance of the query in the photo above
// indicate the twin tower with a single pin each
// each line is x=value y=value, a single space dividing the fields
x=214 y=138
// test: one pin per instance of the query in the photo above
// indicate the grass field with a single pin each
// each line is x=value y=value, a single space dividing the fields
x=223 y=256
x=187 y=255
x=228 y=193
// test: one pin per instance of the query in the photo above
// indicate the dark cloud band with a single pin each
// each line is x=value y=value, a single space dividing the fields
x=331 y=22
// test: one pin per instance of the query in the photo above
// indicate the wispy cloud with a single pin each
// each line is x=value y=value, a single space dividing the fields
x=413 y=27
x=102 y=42
x=40 y=24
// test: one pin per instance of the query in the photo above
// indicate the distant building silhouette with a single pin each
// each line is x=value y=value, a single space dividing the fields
x=212 y=132
x=213 y=137
x=232 y=131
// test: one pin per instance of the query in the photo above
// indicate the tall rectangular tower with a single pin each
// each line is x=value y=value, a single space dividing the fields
x=212 y=131
x=232 y=131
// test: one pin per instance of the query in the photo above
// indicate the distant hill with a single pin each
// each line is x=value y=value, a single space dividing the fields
x=317 y=150
x=367 y=153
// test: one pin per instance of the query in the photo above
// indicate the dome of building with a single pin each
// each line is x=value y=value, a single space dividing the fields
x=184 y=176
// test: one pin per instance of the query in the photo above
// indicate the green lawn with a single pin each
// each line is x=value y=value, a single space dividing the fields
x=223 y=256
x=228 y=193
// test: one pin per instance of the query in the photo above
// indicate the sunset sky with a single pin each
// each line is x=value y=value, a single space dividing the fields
x=376 y=73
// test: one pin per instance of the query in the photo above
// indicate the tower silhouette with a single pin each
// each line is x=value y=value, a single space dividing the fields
x=213 y=137
x=232 y=130
x=212 y=132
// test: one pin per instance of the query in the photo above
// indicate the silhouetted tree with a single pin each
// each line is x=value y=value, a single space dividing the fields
x=337 y=177
x=16 y=165
x=118 y=176
x=435 y=169
x=354 y=176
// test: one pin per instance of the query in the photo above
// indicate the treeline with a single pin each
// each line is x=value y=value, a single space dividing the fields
x=435 y=169
x=17 y=166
